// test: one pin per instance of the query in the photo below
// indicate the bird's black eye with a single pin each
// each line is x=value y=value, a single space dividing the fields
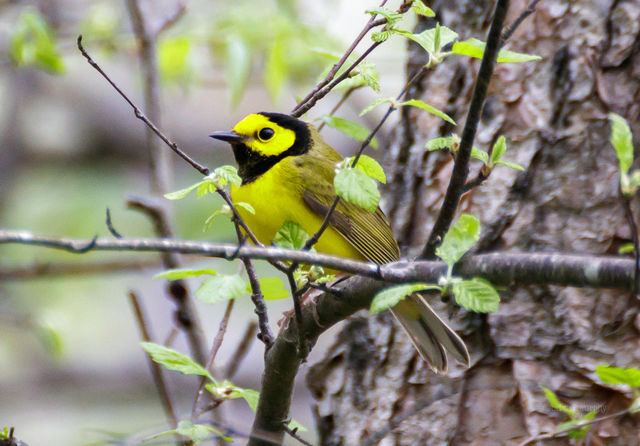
x=266 y=134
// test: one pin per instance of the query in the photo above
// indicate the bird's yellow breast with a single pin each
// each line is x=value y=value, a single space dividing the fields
x=276 y=197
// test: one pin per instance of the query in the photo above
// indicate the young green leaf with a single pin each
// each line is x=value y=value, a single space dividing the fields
x=381 y=36
x=618 y=375
x=173 y=55
x=390 y=297
x=479 y=155
x=442 y=142
x=251 y=397
x=389 y=14
x=174 y=360
x=475 y=48
x=272 y=288
x=581 y=429
x=621 y=141
x=291 y=236
x=207 y=186
x=226 y=174
x=555 y=403
x=460 y=238
x=179 y=194
x=509 y=164
x=33 y=43
x=349 y=128
x=183 y=273
x=476 y=295
x=374 y=104
x=195 y=432
x=499 y=149
x=224 y=210
x=357 y=187
x=295 y=425
x=424 y=106
x=426 y=39
x=369 y=166
x=221 y=288
x=420 y=9
x=626 y=248
x=246 y=206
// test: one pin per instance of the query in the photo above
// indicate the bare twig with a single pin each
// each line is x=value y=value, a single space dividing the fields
x=110 y=226
x=509 y=30
x=173 y=19
x=156 y=370
x=460 y=170
x=499 y=268
x=564 y=432
x=172 y=145
x=241 y=350
x=294 y=434
x=372 y=23
x=45 y=270
x=217 y=342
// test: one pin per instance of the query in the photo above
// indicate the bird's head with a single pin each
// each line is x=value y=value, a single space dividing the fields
x=263 y=139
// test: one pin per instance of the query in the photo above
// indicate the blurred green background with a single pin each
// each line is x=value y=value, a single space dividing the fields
x=72 y=370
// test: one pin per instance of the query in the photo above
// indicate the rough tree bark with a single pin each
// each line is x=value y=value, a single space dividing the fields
x=554 y=115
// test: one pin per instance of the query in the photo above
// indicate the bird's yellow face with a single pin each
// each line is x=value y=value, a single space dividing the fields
x=261 y=140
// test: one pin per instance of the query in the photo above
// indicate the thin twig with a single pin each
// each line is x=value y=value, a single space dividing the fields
x=294 y=434
x=217 y=342
x=110 y=226
x=156 y=370
x=172 y=145
x=509 y=30
x=371 y=23
x=460 y=170
x=46 y=270
x=241 y=350
x=563 y=432
x=172 y=20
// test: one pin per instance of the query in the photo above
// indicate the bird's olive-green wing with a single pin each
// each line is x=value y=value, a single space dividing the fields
x=368 y=232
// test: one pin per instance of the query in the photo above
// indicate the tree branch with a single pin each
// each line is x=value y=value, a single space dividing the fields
x=461 y=166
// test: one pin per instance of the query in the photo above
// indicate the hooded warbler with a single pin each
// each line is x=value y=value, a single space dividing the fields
x=287 y=174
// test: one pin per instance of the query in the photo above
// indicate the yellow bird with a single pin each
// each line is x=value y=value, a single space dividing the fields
x=287 y=174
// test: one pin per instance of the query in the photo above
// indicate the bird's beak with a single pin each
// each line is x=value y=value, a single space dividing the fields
x=230 y=137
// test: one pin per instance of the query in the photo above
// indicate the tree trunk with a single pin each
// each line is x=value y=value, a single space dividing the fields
x=371 y=387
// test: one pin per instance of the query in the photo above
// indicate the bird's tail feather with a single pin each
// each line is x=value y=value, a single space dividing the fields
x=431 y=336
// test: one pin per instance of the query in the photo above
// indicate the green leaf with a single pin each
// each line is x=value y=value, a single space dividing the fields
x=246 y=206
x=621 y=141
x=555 y=403
x=357 y=187
x=47 y=330
x=174 y=360
x=381 y=36
x=618 y=375
x=176 y=274
x=272 y=288
x=499 y=149
x=349 y=128
x=33 y=43
x=365 y=74
x=207 y=187
x=224 y=210
x=476 y=295
x=442 y=142
x=179 y=194
x=226 y=174
x=369 y=166
x=434 y=111
x=4 y=433
x=251 y=397
x=479 y=155
x=275 y=70
x=173 y=54
x=509 y=164
x=389 y=14
x=420 y=9
x=221 y=288
x=238 y=66
x=580 y=431
x=426 y=39
x=195 y=432
x=460 y=238
x=374 y=104
x=291 y=236
x=475 y=48
x=626 y=248
x=297 y=426
x=391 y=296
